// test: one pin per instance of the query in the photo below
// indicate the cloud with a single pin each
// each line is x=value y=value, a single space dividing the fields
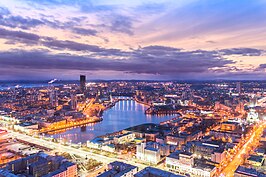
x=19 y=36
x=52 y=43
x=4 y=11
x=26 y=23
x=261 y=67
x=70 y=45
x=141 y=61
x=171 y=61
x=86 y=32
x=121 y=24
x=20 y=22
x=242 y=51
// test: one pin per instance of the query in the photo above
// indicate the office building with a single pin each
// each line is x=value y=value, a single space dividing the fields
x=73 y=102
x=40 y=165
x=82 y=81
x=53 y=98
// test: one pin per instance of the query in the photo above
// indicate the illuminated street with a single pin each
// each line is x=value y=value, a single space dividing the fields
x=230 y=165
x=62 y=148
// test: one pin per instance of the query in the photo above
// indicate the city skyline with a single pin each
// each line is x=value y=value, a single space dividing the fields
x=158 y=40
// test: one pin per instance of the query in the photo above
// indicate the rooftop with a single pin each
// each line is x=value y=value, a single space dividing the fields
x=150 y=171
x=256 y=158
x=249 y=172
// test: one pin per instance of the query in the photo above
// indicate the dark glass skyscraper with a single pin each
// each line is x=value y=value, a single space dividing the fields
x=82 y=82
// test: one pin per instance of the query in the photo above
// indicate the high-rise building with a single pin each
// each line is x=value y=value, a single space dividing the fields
x=73 y=102
x=53 y=98
x=82 y=81
x=239 y=87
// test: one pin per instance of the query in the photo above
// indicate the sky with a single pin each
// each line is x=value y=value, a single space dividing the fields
x=133 y=39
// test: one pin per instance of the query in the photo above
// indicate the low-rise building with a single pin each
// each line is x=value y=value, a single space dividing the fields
x=218 y=155
x=40 y=165
x=184 y=163
x=155 y=172
x=208 y=150
x=252 y=116
x=26 y=127
x=151 y=152
x=124 y=138
x=148 y=154
x=98 y=143
x=182 y=138
x=242 y=171
x=119 y=169
x=255 y=160
x=108 y=148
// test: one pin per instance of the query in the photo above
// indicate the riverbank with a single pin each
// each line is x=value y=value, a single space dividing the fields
x=149 y=111
x=70 y=124
x=153 y=111
x=122 y=115
x=142 y=102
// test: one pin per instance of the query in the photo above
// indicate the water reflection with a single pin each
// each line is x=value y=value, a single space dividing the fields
x=123 y=115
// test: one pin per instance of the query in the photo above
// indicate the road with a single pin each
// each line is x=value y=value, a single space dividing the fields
x=71 y=150
x=251 y=142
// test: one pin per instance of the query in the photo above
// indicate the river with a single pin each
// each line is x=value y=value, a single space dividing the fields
x=123 y=115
